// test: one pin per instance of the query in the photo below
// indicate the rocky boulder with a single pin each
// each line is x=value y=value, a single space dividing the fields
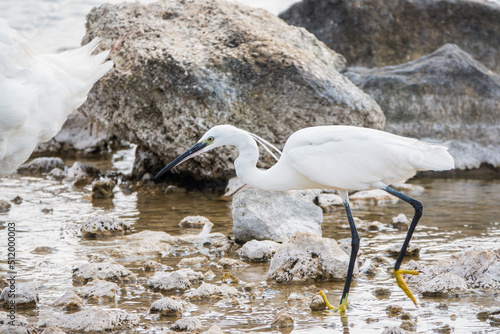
x=446 y=95
x=182 y=66
x=273 y=216
x=94 y=320
x=377 y=33
x=306 y=257
x=471 y=269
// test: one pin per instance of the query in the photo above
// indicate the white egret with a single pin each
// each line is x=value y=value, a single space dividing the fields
x=38 y=92
x=335 y=157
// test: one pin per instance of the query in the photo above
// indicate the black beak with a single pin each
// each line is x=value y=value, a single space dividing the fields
x=193 y=151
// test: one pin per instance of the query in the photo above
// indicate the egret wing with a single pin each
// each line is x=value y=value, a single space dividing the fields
x=355 y=162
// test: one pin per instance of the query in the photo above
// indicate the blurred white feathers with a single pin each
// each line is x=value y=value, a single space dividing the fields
x=38 y=92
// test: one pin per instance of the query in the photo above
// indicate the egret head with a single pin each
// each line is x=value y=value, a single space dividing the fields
x=217 y=136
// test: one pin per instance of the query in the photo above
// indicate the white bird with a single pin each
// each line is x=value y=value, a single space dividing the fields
x=334 y=157
x=38 y=92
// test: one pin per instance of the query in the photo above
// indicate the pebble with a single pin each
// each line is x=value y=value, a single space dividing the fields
x=282 y=320
x=400 y=222
x=194 y=221
x=103 y=226
x=169 y=306
x=394 y=310
x=103 y=189
x=4 y=206
x=317 y=303
x=190 y=324
x=70 y=301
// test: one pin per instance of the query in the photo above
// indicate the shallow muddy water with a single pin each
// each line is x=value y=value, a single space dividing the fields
x=458 y=214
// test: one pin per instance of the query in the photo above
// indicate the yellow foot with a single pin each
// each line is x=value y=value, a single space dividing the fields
x=342 y=307
x=402 y=284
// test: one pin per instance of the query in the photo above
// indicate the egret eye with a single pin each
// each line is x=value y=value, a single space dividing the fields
x=210 y=139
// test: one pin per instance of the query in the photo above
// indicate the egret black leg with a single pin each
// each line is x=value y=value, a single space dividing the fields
x=352 y=260
x=354 y=252
x=416 y=217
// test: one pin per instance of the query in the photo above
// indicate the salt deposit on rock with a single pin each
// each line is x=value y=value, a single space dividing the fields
x=108 y=270
x=307 y=256
x=94 y=320
x=471 y=269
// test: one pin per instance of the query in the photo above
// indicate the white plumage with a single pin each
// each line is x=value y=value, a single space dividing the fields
x=38 y=92
x=337 y=157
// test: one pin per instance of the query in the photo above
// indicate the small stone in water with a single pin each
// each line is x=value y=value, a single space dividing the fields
x=393 y=310
x=195 y=262
x=57 y=174
x=400 y=222
x=227 y=263
x=317 y=303
x=47 y=211
x=229 y=278
x=188 y=325
x=169 y=306
x=442 y=306
x=17 y=200
x=151 y=265
x=70 y=301
x=4 y=206
x=101 y=225
x=209 y=275
x=445 y=329
x=409 y=325
x=103 y=189
x=214 y=330
x=381 y=292
x=394 y=330
x=194 y=221
x=282 y=320
x=412 y=250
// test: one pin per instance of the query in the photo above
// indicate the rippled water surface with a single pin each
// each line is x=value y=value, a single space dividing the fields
x=458 y=214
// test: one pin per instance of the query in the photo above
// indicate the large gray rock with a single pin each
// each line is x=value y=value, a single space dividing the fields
x=78 y=136
x=446 y=95
x=182 y=66
x=306 y=257
x=471 y=269
x=94 y=320
x=274 y=216
x=377 y=32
